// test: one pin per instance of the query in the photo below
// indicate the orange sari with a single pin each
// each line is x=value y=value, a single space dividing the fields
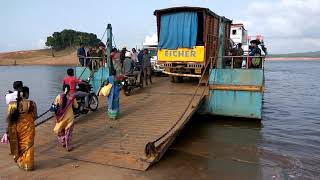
x=22 y=132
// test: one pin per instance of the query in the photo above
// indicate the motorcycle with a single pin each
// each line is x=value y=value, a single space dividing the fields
x=86 y=102
x=131 y=82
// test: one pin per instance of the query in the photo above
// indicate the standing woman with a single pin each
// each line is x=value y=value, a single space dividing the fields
x=65 y=117
x=113 y=98
x=21 y=129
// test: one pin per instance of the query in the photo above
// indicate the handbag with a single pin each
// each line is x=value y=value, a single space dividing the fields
x=105 y=90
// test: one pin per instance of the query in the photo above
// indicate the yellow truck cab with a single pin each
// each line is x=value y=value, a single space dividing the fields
x=188 y=40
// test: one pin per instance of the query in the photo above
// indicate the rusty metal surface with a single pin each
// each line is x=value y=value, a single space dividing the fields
x=145 y=116
x=159 y=12
x=211 y=36
x=236 y=92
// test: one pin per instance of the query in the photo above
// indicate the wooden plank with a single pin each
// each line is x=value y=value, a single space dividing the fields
x=230 y=87
x=145 y=115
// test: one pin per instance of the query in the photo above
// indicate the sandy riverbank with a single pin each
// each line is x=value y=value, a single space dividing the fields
x=293 y=59
x=68 y=58
x=39 y=57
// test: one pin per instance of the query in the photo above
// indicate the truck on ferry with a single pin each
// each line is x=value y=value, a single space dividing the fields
x=196 y=42
x=188 y=39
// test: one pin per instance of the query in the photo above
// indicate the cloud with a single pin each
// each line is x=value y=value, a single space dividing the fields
x=287 y=25
x=41 y=44
x=151 y=40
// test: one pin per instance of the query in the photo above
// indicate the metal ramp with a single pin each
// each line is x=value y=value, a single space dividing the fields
x=146 y=116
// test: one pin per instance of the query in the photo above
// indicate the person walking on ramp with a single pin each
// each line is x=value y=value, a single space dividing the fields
x=64 y=103
x=21 y=129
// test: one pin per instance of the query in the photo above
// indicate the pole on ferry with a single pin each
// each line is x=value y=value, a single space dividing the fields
x=109 y=46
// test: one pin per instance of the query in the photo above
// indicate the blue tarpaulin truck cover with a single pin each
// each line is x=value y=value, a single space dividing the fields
x=178 y=30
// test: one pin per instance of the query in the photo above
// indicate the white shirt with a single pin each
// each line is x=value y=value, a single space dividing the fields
x=134 y=56
x=11 y=97
x=262 y=52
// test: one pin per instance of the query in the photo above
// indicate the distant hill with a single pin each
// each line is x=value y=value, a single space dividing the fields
x=314 y=54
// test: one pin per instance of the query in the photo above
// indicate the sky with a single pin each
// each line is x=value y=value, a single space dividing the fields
x=287 y=25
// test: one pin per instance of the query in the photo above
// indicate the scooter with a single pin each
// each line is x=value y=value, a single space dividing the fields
x=88 y=102
x=131 y=82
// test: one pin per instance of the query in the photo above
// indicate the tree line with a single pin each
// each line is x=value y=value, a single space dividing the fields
x=71 y=38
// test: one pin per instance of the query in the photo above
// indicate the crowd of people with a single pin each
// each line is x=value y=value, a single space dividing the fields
x=253 y=60
x=22 y=112
x=124 y=62
x=92 y=57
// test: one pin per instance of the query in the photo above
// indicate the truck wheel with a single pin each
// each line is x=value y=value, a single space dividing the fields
x=172 y=79
x=179 y=79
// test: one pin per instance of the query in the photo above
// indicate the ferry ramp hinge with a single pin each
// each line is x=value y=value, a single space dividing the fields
x=150 y=149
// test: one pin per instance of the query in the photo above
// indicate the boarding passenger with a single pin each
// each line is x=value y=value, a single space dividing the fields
x=116 y=62
x=255 y=51
x=134 y=55
x=140 y=57
x=114 y=96
x=128 y=64
x=122 y=55
x=73 y=82
x=237 y=62
x=21 y=129
x=12 y=96
x=92 y=63
x=130 y=67
x=146 y=66
x=64 y=103
x=81 y=53
x=264 y=51
x=112 y=55
x=113 y=52
x=101 y=53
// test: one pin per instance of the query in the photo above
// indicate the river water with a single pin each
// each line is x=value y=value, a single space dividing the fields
x=284 y=145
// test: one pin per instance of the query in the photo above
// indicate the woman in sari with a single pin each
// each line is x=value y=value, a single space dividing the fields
x=113 y=98
x=21 y=129
x=116 y=62
x=65 y=117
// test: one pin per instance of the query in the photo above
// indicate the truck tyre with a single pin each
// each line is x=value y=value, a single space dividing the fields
x=172 y=79
x=179 y=79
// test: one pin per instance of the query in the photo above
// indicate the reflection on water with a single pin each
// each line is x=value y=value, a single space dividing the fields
x=44 y=83
x=291 y=118
x=284 y=145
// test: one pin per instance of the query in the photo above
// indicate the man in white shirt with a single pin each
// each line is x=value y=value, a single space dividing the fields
x=134 y=55
x=12 y=96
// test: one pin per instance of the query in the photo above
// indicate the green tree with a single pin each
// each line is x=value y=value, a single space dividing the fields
x=50 y=41
x=70 y=38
